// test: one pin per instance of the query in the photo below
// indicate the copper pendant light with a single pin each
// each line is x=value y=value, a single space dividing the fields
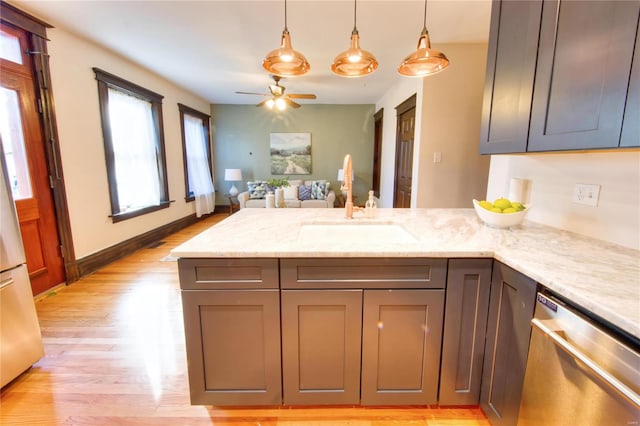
x=424 y=61
x=285 y=61
x=354 y=62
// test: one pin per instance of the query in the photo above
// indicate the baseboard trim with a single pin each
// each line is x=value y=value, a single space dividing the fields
x=95 y=261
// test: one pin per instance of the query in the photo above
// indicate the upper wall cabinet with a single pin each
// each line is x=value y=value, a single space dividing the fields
x=586 y=48
x=631 y=123
x=566 y=86
x=511 y=65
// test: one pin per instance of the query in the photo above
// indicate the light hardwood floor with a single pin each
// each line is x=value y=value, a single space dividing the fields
x=115 y=355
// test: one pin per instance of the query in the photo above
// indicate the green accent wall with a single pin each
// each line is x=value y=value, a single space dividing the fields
x=241 y=141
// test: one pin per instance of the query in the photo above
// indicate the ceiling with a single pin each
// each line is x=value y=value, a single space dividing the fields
x=215 y=48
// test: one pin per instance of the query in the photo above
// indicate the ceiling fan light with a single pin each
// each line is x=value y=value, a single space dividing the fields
x=354 y=62
x=281 y=104
x=285 y=61
x=270 y=103
x=424 y=61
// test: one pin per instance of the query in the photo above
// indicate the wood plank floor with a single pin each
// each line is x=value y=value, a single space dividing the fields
x=115 y=355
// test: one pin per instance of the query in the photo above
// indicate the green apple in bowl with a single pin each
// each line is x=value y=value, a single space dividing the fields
x=502 y=213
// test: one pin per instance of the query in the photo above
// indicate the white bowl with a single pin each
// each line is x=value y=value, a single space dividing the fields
x=500 y=220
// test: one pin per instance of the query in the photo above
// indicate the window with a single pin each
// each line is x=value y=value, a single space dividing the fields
x=197 y=159
x=134 y=147
x=195 y=149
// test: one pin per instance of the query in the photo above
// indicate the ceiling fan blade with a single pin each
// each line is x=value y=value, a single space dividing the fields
x=262 y=103
x=252 y=93
x=291 y=103
x=301 y=95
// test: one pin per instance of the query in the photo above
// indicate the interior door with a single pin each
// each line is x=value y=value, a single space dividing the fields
x=404 y=153
x=26 y=163
x=377 y=152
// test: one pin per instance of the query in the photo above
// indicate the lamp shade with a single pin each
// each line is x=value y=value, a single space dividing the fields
x=341 y=175
x=424 y=61
x=285 y=61
x=232 y=175
x=354 y=62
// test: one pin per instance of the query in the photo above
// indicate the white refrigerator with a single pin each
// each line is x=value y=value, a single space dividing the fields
x=20 y=338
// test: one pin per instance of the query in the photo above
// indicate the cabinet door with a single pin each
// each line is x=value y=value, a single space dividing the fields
x=631 y=125
x=465 y=324
x=321 y=335
x=586 y=48
x=511 y=64
x=507 y=343
x=233 y=346
x=401 y=341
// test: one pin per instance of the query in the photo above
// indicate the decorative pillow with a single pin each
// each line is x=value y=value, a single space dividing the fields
x=304 y=192
x=257 y=189
x=319 y=190
x=291 y=192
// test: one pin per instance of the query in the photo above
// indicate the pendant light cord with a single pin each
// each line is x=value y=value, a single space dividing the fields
x=285 y=15
x=424 y=23
x=355 y=12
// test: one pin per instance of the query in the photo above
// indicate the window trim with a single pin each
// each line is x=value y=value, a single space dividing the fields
x=105 y=81
x=206 y=123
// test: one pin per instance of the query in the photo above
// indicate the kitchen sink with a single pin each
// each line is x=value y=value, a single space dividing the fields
x=368 y=232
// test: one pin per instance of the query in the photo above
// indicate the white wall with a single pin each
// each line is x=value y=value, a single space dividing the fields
x=448 y=114
x=78 y=117
x=403 y=89
x=451 y=120
x=551 y=179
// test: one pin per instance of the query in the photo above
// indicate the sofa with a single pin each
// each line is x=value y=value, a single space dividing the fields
x=299 y=194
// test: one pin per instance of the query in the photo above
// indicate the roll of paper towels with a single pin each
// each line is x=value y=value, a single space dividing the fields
x=516 y=189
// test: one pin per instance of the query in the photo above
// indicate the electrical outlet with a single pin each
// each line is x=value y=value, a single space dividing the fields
x=437 y=157
x=587 y=194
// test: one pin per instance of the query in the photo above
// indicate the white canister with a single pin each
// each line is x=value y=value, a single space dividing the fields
x=279 y=197
x=270 y=201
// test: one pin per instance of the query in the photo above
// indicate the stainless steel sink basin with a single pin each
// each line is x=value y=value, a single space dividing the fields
x=368 y=232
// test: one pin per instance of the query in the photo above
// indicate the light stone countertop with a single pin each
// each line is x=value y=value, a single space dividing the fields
x=602 y=277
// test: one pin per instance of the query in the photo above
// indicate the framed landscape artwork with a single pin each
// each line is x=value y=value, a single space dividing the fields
x=290 y=153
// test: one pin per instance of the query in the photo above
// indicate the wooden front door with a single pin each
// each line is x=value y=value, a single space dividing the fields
x=24 y=150
x=404 y=153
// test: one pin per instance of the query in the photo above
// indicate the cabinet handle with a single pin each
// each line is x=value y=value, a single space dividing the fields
x=574 y=352
x=6 y=283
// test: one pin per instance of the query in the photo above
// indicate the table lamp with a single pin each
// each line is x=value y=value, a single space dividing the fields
x=233 y=175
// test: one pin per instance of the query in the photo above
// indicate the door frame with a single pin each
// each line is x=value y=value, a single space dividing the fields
x=403 y=107
x=377 y=151
x=37 y=35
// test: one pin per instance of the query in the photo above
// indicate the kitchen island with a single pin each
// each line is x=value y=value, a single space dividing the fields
x=601 y=277
x=306 y=307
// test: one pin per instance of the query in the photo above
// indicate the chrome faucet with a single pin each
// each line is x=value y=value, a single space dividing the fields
x=347 y=186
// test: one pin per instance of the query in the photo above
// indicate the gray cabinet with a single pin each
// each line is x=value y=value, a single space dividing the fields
x=363 y=331
x=586 y=49
x=507 y=343
x=559 y=76
x=401 y=341
x=468 y=288
x=631 y=124
x=511 y=64
x=232 y=331
x=321 y=335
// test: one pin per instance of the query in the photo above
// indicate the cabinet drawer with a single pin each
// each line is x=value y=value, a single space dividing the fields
x=363 y=273
x=212 y=274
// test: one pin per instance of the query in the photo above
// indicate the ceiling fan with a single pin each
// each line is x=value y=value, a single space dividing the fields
x=276 y=98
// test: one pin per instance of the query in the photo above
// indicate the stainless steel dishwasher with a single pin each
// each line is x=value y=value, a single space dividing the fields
x=578 y=373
